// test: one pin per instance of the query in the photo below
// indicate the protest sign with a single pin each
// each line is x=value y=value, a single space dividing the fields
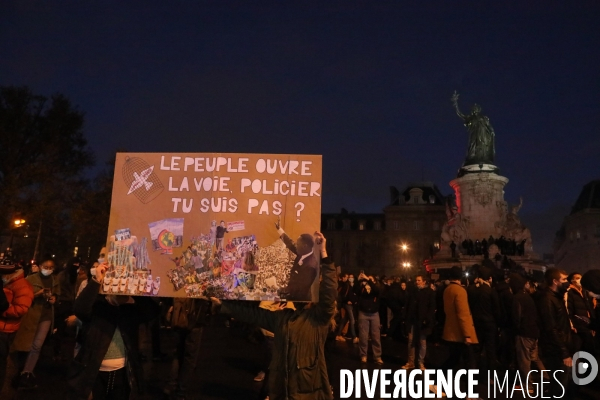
x=204 y=224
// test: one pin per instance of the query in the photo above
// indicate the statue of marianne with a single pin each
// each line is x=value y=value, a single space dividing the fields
x=481 y=148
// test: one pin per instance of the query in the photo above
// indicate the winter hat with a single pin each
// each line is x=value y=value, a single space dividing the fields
x=516 y=283
x=591 y=280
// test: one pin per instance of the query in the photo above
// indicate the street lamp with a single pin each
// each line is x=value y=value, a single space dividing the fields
x=18 y=222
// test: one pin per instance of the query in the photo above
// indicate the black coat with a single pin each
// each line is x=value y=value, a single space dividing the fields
x=578 y=304
x=100 y=320
x=484 y=304
x=346 y=294
x=396 y=297
x=556 y=340
x=525 y=319
x=420 y=311
x=505 y=297
x=367 y=302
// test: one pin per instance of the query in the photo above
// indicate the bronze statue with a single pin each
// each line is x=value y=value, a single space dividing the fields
x=481 y=135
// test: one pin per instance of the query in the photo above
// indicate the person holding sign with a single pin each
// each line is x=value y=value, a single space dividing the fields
x=298 y=369
x=107 y=364
x=305 y=268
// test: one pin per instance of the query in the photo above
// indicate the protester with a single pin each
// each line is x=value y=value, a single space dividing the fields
x=580 y=309
x=506 y=346
x=420 y=319
x=368 y=318
x=107 y=364
x=459 y=330
x=16 y=295
x=383 y=287
x=556 y=344
x=525 y=323
x=298 y=368
x=396 y=302
x=188 y=318
x=347 y=299
x=38 y=321
x=69 y=280
x=486 y=312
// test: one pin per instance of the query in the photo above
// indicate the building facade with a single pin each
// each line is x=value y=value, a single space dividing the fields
x=577 y=243
x=395 y=242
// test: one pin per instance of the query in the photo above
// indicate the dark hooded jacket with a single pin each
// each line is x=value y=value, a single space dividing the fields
x=557 y=340
x=525 y=319
x=100 y=320
x=420 y=311
x=298 y=370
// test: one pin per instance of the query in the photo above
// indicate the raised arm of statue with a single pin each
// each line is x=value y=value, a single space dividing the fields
x=455 y=102
x=517 y=208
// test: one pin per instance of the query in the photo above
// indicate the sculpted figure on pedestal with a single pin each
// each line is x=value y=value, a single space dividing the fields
x=455 y=229
x=510 y=225
x=481 y=148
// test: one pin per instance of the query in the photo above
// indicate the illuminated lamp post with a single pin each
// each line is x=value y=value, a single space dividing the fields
x=17 y=223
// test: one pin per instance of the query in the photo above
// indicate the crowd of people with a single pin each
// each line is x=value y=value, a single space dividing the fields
x=492 y=322
x=506 y=246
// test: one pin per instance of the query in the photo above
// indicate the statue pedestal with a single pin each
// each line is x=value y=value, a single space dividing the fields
x=480 y=201
x=530 y=264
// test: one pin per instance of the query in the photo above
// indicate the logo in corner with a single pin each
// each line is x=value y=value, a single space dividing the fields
x=141 y=179
x=586 y=363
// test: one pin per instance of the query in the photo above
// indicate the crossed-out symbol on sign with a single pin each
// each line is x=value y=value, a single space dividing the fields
x=141 y=180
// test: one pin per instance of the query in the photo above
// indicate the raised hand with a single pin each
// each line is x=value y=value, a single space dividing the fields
x=278 y=223
x=455 y=97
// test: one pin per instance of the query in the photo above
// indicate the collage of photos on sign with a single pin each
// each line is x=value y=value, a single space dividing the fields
x=223 y=265
x=129 y=262
x=216 y=264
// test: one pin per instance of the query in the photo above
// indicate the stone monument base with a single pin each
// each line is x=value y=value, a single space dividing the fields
x=530 y=263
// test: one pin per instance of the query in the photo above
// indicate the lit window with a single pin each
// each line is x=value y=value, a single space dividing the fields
x=361 y=225
x=578 y=234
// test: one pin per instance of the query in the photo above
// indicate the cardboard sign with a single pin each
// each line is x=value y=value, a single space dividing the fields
x=204 y=224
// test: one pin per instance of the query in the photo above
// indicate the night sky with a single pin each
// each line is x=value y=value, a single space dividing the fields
x=365 y=84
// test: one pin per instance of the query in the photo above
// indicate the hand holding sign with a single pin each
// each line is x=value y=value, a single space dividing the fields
x=101 y=271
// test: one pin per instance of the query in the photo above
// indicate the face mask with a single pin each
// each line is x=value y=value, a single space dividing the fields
x=351 y=279
x=101 y=260
x=563 y=287
x=47 y=272
x=578 y=282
